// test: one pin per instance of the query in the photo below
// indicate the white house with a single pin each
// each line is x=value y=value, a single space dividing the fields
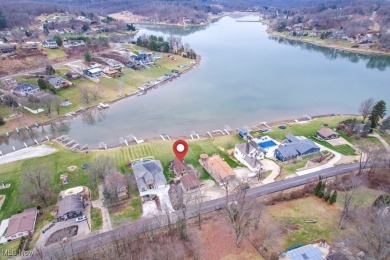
x=250 y=155
x=21 y=224
x=51 y=44
x=93 y=73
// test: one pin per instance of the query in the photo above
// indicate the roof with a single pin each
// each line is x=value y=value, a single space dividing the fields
x=94 y=70
x=149 y=170
x=308 y=252
x=218 y=166
x=326 y=132
x=190 y=181
x=287 y=150
x=69 y=204
x=246 y=148
x=22 y=222
x=179 y=165
x=55 y=80
x=292 y=138
x=22 y=86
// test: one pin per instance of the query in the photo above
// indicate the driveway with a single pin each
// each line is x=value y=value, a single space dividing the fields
x=83 y=229
x=269 y=165
x=105 y=214
x=329 y=164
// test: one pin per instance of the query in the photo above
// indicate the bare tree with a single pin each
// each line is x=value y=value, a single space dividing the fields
x=366 y=108
x=95 y=92
x=240 y=215
x=372 y=233
x=57 y=104
x=371 y=157
x=198 y=206
x=84 y=94
x=349 y=186
x=99 y=167
x=37 y=185
x=47 y=102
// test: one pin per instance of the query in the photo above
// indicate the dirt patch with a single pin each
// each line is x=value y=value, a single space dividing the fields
x=217 y=240
x=128 y=17
x=63 y=234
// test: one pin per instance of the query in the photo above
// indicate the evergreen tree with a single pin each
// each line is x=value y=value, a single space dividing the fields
x=2 y=122
x=322 y=191
x=85 y=27
x=50 y=70
x=333 y=198
x=318 y=188
x=42 y=84
x=58 y=40
x=3 y=22
x=378 y=112
x=87 y=57
x=130 y=27
x=326 y=196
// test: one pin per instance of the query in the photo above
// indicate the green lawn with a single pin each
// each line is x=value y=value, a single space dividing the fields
x=309 y=129
x=288 y=168
x=10 y=247
x=54 y=54
x=344 y=149
x=294 y=213
x=130 y=212
x=96 y=219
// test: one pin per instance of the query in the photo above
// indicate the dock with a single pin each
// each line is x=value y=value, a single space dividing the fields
x=103 y=106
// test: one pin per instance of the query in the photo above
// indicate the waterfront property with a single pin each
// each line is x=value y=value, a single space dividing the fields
x=327 y=134
x=217 y=168
x=243 y=133
x=295 y=147
x=267 y=145
x=49 y=43
x=250 y=155
x=93 y=72
x=116 y=180
x=59 y=83
x=149 y=175
x=25 y=89
x=22 y=224
x=69 y=207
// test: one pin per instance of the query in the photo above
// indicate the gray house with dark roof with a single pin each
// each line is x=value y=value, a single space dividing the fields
x=149 y=175
x=25 y=89
x=70 y=207
x=294 y=148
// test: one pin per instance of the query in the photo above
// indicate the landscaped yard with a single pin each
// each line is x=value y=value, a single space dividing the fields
x=343 y=149
x=54 y=54
x=11 y=246
x=307 y=130
x=96 y=219
x=287 y=168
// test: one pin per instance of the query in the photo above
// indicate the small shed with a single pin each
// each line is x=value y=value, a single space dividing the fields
x=243 y=133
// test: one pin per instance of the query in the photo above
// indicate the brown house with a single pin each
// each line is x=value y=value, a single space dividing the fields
x=217 y=167
x=21 y=224
x=327 y=134
x=179 y=167
x=190 y=182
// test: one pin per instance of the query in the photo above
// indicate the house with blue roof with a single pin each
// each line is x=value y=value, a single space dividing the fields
x=294 y=148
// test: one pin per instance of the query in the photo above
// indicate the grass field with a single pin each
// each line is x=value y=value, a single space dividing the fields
x=294 y=213
x=54 y=54
x=308 y=130
x=344 y=149
x=131 y=212
x=96 y=219
x=287 y=168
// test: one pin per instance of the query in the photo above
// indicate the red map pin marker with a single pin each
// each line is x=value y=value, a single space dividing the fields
x=180 y=148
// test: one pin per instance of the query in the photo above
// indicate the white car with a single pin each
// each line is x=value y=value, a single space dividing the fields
x=82 y=218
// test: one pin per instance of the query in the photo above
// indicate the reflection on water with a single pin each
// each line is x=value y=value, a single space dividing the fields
x=244 y=78
x=379 y=62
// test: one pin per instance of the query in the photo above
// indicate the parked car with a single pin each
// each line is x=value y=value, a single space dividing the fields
x=82 y=218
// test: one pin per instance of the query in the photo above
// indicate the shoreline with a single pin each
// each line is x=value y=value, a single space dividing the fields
x=339 y=48
x=204 y=136
x=124 y=96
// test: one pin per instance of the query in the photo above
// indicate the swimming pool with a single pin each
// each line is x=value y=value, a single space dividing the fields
x=267 y=144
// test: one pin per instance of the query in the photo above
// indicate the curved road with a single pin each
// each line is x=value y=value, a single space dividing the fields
x=93 y=241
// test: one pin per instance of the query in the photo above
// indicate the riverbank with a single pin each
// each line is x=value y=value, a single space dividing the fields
x=337 y=45
x=108 y=94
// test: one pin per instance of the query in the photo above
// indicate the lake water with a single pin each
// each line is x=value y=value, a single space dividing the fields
x=245 y=77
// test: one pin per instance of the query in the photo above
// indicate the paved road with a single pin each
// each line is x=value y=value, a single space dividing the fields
x=97 y=240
